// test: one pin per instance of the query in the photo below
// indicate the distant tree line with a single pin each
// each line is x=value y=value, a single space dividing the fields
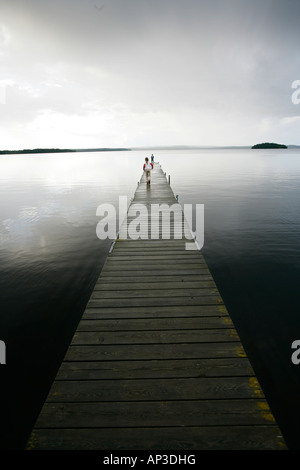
x=4 y=152
x=36 y=151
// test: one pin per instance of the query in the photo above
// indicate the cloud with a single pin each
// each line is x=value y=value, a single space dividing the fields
x=167 y=71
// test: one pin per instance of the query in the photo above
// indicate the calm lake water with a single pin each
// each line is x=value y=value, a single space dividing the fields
x=50 y=258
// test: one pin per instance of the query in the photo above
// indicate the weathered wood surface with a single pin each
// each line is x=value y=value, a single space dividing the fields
x=156 y=362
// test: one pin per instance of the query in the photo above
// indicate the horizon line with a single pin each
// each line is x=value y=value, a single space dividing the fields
x=144 y=147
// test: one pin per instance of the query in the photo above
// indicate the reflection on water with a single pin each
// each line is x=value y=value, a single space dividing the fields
x=252 y=246
x=50 y=258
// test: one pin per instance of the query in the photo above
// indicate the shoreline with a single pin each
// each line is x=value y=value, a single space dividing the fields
x=30 y=151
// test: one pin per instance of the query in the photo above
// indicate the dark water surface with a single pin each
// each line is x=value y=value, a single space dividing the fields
x=50 y=258
x=252 y=247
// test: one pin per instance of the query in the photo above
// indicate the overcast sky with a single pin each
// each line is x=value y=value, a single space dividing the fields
x=115 y=73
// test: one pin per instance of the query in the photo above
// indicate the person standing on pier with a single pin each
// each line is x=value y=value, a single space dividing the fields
x=147 y=168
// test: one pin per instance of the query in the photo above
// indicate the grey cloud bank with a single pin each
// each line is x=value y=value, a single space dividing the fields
x=148 y=72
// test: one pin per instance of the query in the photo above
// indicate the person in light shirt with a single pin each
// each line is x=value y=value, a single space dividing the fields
x=147 y=168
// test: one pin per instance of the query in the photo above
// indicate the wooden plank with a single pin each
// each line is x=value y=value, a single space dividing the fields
x=137 y=263
x=152 y=293
x=155 y=336
x=156 y=253
x=157 y=301
x=127 y=352
x=155 y=324
x=148 y=268
x=156 y=273
x=107 y=285
x=154 y=311
x=144 y=369
x=103 y=280
x=179 y=438
x=152 y=389
x=155 y=413
x=165 y=250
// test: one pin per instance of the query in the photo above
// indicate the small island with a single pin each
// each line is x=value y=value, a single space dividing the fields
x=269 y=145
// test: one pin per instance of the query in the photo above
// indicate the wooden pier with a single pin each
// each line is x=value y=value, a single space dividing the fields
x=155 y=362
